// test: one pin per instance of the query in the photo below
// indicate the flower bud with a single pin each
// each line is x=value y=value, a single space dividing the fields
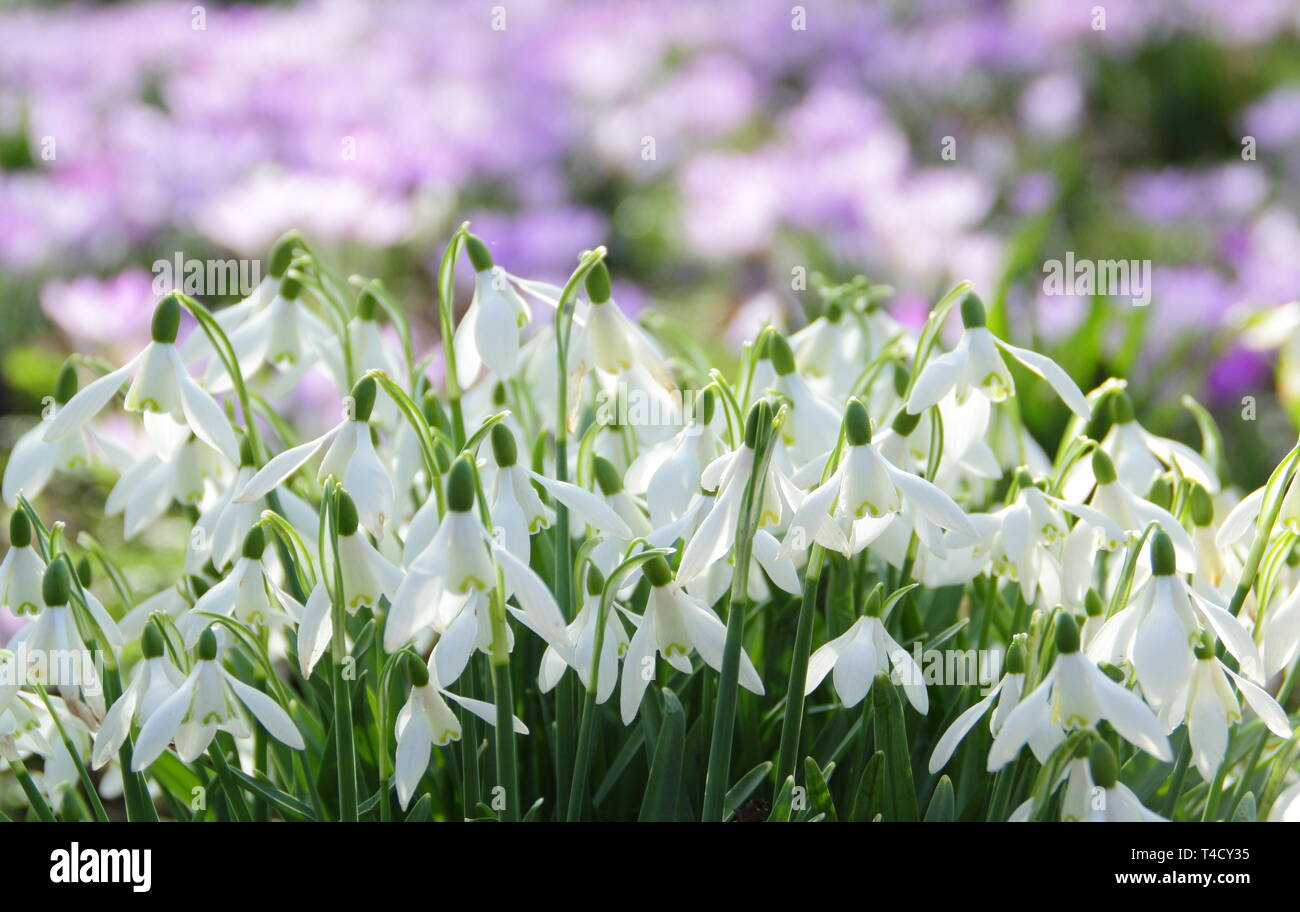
x=902 y=380
x=595 y=580
x=84 y=574
x=1017 y=661
x=479 y=257
x=1067 y=633
x=20 y=530
x=1202 y=506
x=281 y=257
x=434 y=413
x=254 y=543
x=857 y=423
x=657 y=571
x=363 y=399
x=152 y=643
x=55 y=585
x=367 y=305
x=347 y=520
x=708 y=406
x=208 y=645
x=1162 y=554
x=460 y=485
x=66 y=385
x=1102 y=467
x=758 y=421
x=417 y=671
x=972 y=311
x=875 y=602
x=166 y=320
x=1093 y=606
x=607 y=476
x=291 y=287
x=1121 y=407
x=1104 y=766
x=598 y=283
x=778 y=349
x=1161 y=493
x=905 y=423
x=504 y=449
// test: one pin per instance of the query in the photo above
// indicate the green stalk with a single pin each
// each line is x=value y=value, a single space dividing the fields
x=1274 y=493
x=34 y=796
x=344 y=743
x=446 y=303
x=792 y=725
x=724 y=717
x=87 y=784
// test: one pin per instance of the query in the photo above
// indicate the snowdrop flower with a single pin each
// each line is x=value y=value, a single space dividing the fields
x=1208 y=705
x=55 y=634
x=425 y=720
x=1139 y=456
x=863 y=651
x=460 y=560
x=1077 y=694
x=814 y=422
x=1113 y=507
x=350 y=458
x=1007 y=692
x=976 y=364
x=284 y=334
x=1280 y=633
x=860 y=499
x=668 y=474
x=367 y=577
x=608 y=340
x=22 y=570
x=171 y=602
x=1116 y=803
x=145 y=491
x=1160 y=626
x=488 y=333
x=155 y=680
x=34 y=460
x=222 y=526
x=830 y=350
x=172 y=403
x=674 y=625
x=729 y=475
x=582 y=633
x=248 y=593
x=206 y=702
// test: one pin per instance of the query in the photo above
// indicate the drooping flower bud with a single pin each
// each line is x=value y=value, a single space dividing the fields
x=657 y=571
x=1162 y=554
x=208 y=645
x=20 y=530
x=479 y=257
x=1102 y=467
x=347 y=521
x=1104 y=766
x=55 y=585
x=857 y=423
x=460 y=485
x=778 y=349
x=363 y=399
x=1067 y=633
x=166 y=320
x=607 y=476
x=254 y=543
x=972 y=311
x=152 y=643
x=598 y=288
x=504 y=449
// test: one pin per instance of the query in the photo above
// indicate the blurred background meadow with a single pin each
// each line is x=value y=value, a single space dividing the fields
x=734 y=156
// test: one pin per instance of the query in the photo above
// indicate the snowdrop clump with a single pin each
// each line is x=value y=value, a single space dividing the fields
x=427 y=611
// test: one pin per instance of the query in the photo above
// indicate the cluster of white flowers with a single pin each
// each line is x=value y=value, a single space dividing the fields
x=1133 y=592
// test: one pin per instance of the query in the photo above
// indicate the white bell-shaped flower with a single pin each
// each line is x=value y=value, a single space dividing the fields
x=488 y=333
x=153 y=682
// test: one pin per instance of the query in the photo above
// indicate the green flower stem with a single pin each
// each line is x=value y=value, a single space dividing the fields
x=87 y=784
x=724 y=717
x=344 y=741
x=34 y=796
x=1274 y=493
x=446 y=304
x=792 y=724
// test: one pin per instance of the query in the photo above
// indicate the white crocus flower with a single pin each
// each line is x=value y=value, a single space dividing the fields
x=582 y=633
x=367 y=577
x=1077 y=694
x=249 y=593
x=206 y=702
x=172 y=403
x=22 y=570
x=863 y=651
x=350 y=458
x=1007 y=693
x=864 y=494
x=461 y=559
x=154 y=681
x=488 y=333
x=674 y=625
x=1157 y=631
x=976 y=364
x=1208 y=705
x=425 y=720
